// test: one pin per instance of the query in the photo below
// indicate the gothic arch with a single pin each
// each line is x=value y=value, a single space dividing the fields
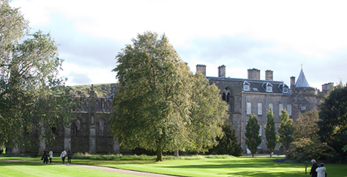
x=85 y=105
x=101 y=127
x=108 y=106
x=97 y=106
x=77 y=127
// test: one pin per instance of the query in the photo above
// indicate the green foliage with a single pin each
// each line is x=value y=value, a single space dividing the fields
x=333 y=120
x=253 y=139
x=29 y=73
x=227 y=144
x=286 y=130
x=156 y=106
x=270 y=132
x=306 y=125
x=305 y=149
x=207 y=113
x=101 y=90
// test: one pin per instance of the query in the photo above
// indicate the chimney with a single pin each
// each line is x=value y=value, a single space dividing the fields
x=269 y=75
x=292 y=84
x=221 y=71
x=201 y=68
x=254 y=74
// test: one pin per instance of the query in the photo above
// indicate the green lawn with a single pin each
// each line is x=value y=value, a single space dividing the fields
x=237 y=166
x=15 y=169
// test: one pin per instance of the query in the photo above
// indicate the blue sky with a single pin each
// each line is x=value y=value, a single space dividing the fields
x=274 y=35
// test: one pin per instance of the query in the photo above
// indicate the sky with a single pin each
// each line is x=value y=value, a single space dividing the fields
x=282 y=36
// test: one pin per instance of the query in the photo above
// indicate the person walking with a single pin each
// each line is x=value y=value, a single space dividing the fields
x=313 y=172
x=63 y=155
x=45 y=156
x=69 y=157
x=321 y=171
x=50 y=156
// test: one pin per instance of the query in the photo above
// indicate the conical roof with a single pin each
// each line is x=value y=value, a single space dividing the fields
x=302 y=82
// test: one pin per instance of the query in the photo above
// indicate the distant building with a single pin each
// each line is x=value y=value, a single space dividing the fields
x=256 y=96
x=91 y=132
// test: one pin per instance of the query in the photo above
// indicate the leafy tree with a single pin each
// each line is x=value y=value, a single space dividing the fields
x=306 y=125
x=305 y=149
x=160 y=105
x=207 y=113
x=253 y=139
x=286 y=130
x=270 y=132
x=332 y=122
x=227 y=143
x=28 y=77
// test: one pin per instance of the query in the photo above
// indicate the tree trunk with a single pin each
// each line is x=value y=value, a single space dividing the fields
x=159 y=151
x=252 y=155
x=177 y=153
x=270 y=154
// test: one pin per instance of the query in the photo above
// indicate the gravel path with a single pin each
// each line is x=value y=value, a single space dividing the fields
x=116 y=170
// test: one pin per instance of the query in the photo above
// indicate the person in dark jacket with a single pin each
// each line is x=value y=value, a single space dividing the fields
x=45 y=156
x=69 y=157
x=313 y=172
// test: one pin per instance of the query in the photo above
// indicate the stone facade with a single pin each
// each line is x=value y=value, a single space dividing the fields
x=256 y=96
x=90 y=132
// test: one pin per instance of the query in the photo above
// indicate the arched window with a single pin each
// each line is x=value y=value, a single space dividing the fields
x=223 y=96
x=101 y=127
x=228 y=98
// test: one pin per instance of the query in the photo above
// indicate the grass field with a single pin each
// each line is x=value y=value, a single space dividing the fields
x=15 y=169
x=224 y=166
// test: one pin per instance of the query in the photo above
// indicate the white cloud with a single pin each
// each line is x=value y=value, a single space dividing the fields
x=95 y=75
x=310 y=27
x=302 y=31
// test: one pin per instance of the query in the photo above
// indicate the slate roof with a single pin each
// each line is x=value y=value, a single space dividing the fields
x=256 y=86
x=302 y=82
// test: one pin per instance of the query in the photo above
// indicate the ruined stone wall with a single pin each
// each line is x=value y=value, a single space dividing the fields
x=234 y=102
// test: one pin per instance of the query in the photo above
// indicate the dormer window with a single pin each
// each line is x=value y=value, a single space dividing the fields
x=284 y=88
x=246 y=86
x=267 y=86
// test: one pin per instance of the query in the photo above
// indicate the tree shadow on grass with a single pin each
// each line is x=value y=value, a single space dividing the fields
x=7 y=163
x=264 y=174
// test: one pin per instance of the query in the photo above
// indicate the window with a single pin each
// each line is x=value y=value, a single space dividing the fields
x=260 y=108
x=289 y=109
x=283 y=87
x=260 y=130
x=272 y=107
x=249 y=107
x=285 y=90
x=303 y=108
x=228 y=98
x=267 y=86
x=246 y=86
x=280 y=108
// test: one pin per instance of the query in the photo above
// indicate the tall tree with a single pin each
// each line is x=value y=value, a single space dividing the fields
x=227 y=143
x=156 y=107
x=270 y=132
x=253 y=139
x=306 y=126
x=28 y=73
x=332 y=122
x=207 y=114
x=286 y=130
